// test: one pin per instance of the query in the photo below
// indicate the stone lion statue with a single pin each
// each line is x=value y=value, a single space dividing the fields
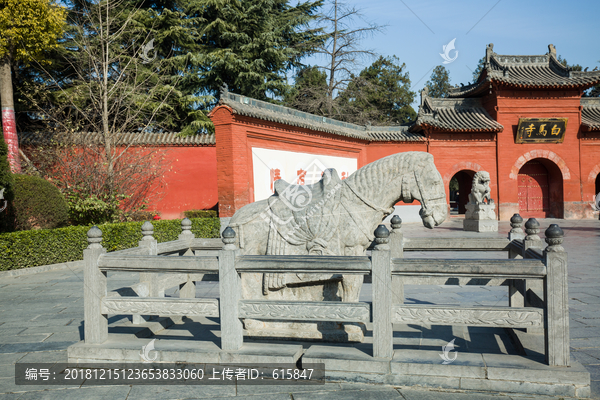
x=480 y=191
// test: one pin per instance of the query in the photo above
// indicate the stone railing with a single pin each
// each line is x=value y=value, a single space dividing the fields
x=153 y=284
x=528 y=266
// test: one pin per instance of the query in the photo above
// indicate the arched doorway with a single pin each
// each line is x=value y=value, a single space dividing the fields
x=597 y=185
x=540 y=185
x=460 y=187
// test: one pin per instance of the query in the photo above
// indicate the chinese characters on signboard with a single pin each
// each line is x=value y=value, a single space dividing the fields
x=541 y=130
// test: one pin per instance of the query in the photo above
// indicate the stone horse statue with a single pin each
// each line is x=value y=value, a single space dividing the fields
x=330 y=217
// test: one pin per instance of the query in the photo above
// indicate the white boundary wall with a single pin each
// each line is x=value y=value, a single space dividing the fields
x=289 y=163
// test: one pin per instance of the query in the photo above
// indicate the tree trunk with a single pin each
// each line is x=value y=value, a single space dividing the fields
x=9 y=127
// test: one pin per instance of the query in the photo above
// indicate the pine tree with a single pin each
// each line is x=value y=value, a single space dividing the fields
x=379 y=95
x=439 y=83
x=479 y=69
x=309 y=93
x=250 y=45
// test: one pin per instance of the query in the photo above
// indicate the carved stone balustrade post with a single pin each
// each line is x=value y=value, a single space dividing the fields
x=516 y=233
x=516 y=287
x=151 y=244
x=557 y=299
x=397 y=251
x=94 y=290
x=532 y=227
x=187 y=290
x=533 y=288
x=150 y=280
x=381 y=271
x=230 y=290
x=396 y=237
x=186 y=230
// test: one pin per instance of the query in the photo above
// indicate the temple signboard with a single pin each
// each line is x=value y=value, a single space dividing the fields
x=541 y=130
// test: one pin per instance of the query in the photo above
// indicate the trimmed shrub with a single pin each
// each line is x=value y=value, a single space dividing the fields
x=38 y=204
x=52 y=246
x=200 y=214
x=141 y=215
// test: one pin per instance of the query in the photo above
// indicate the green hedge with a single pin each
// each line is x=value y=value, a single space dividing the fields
x=51 y=246
x=200 y=214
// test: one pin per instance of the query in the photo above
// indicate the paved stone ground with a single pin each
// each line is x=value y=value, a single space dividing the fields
x=42 y=314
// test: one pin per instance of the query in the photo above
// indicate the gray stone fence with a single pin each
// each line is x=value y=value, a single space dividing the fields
x=536 y=278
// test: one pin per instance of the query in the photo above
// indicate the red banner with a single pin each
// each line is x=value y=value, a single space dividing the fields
x=9 y=129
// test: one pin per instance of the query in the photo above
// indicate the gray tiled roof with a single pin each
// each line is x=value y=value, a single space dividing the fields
x=590 y=113
x=454 y=115
x=249 y=107
x=539 y=71
x=169 y=138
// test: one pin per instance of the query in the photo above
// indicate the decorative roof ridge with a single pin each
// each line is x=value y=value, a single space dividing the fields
x=590 y=101
x=525 y=71
x=454 y=115
x=247 y=106
x=147 y=138
x=519 y=60
x=456 y=102
x=226 y=97
x=459 y=91
x=389 y=128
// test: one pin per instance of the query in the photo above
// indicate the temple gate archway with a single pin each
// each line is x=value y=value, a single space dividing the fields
x=459 y=198
x=540 y=185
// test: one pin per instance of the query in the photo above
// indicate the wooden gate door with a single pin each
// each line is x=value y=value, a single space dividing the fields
x=533 y=190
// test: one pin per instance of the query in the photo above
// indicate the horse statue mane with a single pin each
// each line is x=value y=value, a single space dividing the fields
x=480 y=188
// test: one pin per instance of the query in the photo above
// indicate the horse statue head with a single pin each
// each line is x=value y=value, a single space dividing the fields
x=402 y=177
x=431 y=194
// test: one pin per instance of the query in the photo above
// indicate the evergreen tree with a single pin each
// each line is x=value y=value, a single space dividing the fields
x=380 y=95
x=159 y=30
x=439 y=83
x=479 y=69
x=309 y=93
x=594 y=91
x=574 y=67
x=250 y=45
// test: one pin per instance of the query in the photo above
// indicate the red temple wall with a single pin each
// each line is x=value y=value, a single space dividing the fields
x=590 y=161
x=573 y=164
x=512 y=105
x=377 y=150
x=463 y=151
x=190 y=181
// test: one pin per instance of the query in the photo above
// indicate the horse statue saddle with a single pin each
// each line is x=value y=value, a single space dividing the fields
x=306 y=214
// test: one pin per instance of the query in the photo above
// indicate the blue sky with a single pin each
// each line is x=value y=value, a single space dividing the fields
x=417 y=30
